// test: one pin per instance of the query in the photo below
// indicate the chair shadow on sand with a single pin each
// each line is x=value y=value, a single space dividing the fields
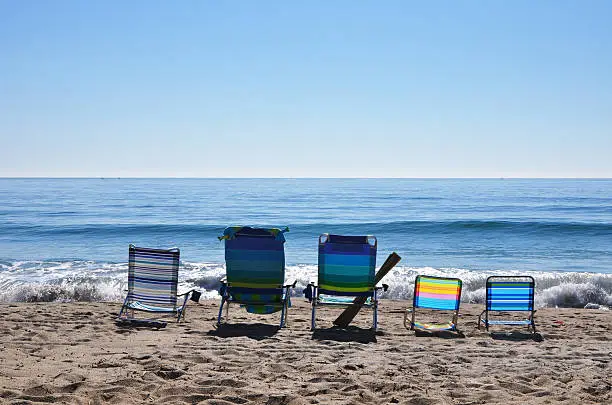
x=134 y=325
x=349 y=334
x=257 y=331
x=442 y=334
x=516 y=336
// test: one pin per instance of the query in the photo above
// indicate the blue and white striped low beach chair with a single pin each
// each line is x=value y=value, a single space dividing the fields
x=255 y=272
x=152 y=285
x=509 y=294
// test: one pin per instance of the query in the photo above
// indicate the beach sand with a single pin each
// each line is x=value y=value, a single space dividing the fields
x=74 y=353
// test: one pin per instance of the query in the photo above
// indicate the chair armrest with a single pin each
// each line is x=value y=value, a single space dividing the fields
x=185 y=293
x=223 y=280
x=291 y=283
x=383 y=287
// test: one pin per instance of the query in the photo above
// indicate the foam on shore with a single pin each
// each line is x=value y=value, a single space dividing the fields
x=77 y=280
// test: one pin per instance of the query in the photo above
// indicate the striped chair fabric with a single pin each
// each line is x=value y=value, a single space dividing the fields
x=255 y=268
x=508 y=294
x=347 y=266
x=347 y=269
x=153 y=279
x=436 y=293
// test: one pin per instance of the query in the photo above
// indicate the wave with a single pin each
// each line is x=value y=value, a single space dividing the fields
x=477 y=225
x=78 y=280
x=437 y=227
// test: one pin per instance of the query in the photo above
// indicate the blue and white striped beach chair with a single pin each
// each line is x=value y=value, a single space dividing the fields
x=255 y=272
x=152 y=285
x=509 y=294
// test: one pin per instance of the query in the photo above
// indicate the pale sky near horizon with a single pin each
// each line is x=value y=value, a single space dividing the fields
x=306 y=89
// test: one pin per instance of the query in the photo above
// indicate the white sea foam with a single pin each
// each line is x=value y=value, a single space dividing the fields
x=35 y=281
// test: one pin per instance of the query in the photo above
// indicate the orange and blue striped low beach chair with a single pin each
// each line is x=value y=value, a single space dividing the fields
x=347 y=266
x=255 y=272
x=437 y=293
x=509 y=294
x=152 y=285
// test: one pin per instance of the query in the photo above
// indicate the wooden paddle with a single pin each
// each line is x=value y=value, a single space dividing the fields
x=349 y=313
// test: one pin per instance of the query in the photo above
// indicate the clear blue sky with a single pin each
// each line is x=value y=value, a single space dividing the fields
x=311 y=88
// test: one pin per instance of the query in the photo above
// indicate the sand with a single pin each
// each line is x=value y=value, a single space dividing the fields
x=74 y=353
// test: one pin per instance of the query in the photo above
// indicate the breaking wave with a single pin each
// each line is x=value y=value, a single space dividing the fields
x=47 y=281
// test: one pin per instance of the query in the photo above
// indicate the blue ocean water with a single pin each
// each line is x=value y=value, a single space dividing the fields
x=68 y=238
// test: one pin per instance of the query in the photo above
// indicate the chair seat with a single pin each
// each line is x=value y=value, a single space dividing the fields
x=434 y=326
x=340 y=300
x=137 y=305
x=506 y=322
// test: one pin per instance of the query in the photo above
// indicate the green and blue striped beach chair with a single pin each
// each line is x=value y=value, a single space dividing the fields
x=152 y=285
x=255 y=272
x=437 y=293
x=509 y=294
x=347 y=266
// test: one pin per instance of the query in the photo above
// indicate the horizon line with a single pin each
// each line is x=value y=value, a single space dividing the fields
x=299 y=177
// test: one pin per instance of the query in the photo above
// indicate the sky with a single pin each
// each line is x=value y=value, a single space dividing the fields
x=305 y=89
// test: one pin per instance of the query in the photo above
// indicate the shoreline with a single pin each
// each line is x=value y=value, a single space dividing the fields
x=79 y=283
x=74 y=353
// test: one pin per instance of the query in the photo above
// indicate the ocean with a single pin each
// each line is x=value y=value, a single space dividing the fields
x=67 y=239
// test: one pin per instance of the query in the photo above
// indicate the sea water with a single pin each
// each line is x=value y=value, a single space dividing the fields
x=67 y=239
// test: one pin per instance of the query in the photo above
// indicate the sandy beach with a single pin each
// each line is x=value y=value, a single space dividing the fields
x=75 y=353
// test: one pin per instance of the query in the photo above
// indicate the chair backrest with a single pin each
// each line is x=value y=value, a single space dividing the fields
x=153 y=276
x=255 y=263
x=437 y=293
x=510 y=293
x=347 y=265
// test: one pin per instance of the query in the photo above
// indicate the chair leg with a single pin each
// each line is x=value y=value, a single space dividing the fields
x=375 y=316
x=123 y=307
x=313 y=316
x=220 y=311
x=181 y=313
x=283 y=315
x=375 y=310
x=480 y=320
x=412 y=321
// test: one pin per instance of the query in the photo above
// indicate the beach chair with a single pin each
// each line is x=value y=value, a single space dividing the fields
x=255 y=272
x=509 y=294
x=437 y=293
x=347 y=266
x=152 y=285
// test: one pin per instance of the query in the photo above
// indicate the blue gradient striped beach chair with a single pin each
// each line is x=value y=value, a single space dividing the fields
x=347 y=266
x=255 y=272
x=509 y=294
x=152 y=285
x=437 y=293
